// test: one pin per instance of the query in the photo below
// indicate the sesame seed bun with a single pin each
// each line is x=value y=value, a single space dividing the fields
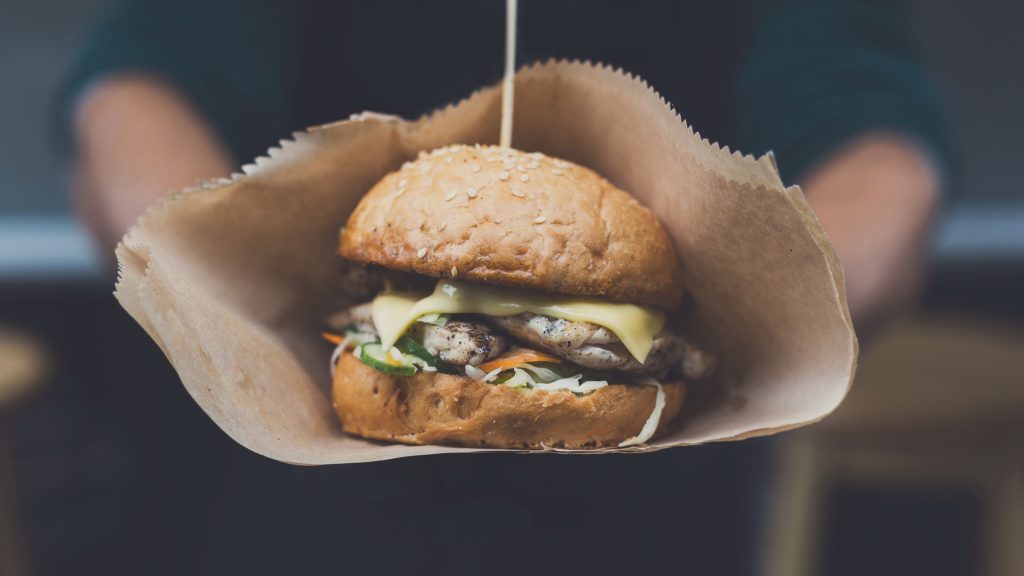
x=434 y=408
x=501 y=216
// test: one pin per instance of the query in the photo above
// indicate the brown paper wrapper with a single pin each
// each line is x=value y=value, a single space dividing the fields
x=233 y=279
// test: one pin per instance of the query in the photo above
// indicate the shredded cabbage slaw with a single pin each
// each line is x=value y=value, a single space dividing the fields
x=527 y=375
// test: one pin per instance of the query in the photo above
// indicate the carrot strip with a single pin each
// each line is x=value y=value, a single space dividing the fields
x=332 y=338
x=515 y=357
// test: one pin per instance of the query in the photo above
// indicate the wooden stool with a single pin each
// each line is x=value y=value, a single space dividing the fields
x=21 y=370
x=936 y=401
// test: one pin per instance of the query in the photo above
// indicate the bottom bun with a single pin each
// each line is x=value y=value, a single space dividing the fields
x=434 y=408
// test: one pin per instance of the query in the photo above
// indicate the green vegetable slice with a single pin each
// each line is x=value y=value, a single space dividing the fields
x=434 y=318
x=410 y=346
x=374 y=356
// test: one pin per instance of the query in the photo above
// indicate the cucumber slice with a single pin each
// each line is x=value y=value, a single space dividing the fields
x=560 y=369
x=435 y=319
x=374 y=356
x=409 y=346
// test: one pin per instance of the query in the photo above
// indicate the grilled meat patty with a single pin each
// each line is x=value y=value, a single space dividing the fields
x=458 y=342
x=471 y=341
x=595 y=347
x=461 y=342
x=360 y=316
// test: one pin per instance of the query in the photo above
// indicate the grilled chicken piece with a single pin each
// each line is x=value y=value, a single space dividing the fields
x=458 y=342
x=551 y=332
x=697 y=363
x=595 y=347
x=361 y=316
x=461 y=342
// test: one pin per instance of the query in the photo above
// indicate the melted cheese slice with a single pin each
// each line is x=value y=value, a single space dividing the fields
x=634 y=325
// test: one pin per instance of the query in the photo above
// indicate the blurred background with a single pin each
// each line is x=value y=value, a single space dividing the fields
x=920 y=472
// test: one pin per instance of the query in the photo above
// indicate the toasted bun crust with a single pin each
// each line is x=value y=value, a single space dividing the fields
x=443 y=409
x=506 y=217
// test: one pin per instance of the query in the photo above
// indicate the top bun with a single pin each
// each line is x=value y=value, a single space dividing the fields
x=500 y=216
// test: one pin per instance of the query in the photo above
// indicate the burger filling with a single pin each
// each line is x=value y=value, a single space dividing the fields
x=517 y=338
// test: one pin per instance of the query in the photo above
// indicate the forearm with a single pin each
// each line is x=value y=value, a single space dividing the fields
x=136 y=139
x=877 y=199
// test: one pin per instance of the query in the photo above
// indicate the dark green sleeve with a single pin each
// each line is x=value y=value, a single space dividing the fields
x=815 y=73
x=234 y=60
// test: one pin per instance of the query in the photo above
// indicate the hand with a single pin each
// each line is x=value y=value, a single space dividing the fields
x=136 y=139
x=876 y=198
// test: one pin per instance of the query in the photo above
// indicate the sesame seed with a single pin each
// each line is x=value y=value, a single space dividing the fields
x=448 y=160
x=422 y=252
x=455 y=271
x=474 y=167
x=519 y=194
x=536 y=155
x=442 y=226
x=497 y=220
x=556 y=171
x=561 y=163
x=471 y=192
x=503 y=176
x=402 y=183
x=524 y=178
x=521 y=168
x=533 y=165
x=450 y=195
x=540 y=220
x=508 y=164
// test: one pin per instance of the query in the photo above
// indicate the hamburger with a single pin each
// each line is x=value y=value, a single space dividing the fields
x=512 y=300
